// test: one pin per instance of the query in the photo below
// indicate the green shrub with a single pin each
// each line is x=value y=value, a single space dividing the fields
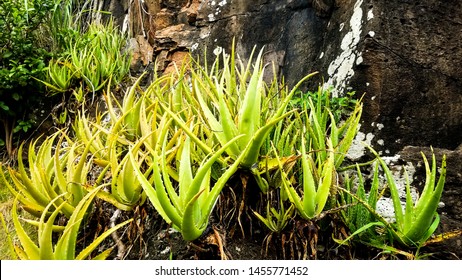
x=90 y=61
x=65 y=248
x=48 y=49
x=340 y=107
x=22 y=59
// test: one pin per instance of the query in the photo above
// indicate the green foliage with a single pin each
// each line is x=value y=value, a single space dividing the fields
x=413 y=227
x=65 y=246
x=91 y=60
x=188 y=208
x=48 y=42
x=232 y=101
x=21 y=57
x=322 y=144
x=360 y=215
x=340 y=107
x=419 y=219
x=5 y=234
x=152 y=128
x=276 y=218
x=52 y=172
x=110 y=136
x=317 y=179
x=322 y=125
x=23 y=125
x=21 y=60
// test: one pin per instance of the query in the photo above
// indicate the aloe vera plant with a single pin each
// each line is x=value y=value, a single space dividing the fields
x=360 y=215
x=420 y=219
x=416 y=223
x=65 y=247
x=51 y=172
x=231 y=102
x=97 y=57
x=283 y=141
x=188 y=206
x=60 y=75
x=322 y=124
x=135 y=124
x=276 y=219
x=121 y=126
x=88 y=58
x=317 y=178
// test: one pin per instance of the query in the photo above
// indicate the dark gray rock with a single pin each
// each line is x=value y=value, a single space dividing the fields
x=404 y=56
x=409 y=72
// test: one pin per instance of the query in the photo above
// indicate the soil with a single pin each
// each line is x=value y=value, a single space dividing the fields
x=161 y=243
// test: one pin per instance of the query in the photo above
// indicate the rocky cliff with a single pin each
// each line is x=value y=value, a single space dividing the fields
x=404 y=55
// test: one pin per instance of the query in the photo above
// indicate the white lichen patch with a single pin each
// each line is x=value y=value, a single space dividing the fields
x=371 y=33
x=391 y=159
x=126 y=24
x=370 y=15
x=340 y=70
x=217 y=50
x=204 y=33
x=194 y=46
x=385 y=208
x=357 y=148
x=165 y=251
x=216 y=9
x=211 y=17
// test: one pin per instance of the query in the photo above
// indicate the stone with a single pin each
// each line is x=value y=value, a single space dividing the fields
x=164 y=19
x=162 y=60
x=176 y=36
x=152 y=6
x=323 y=7
x=142 y=51
x=409 y=58
x=188 y=14
x=176 y=60
x=453 y=159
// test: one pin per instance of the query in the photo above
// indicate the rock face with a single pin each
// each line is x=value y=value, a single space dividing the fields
x=410 y=65
x=404 y=56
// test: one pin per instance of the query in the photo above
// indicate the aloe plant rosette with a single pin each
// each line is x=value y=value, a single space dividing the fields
x=417 y=222
x=188 y=206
